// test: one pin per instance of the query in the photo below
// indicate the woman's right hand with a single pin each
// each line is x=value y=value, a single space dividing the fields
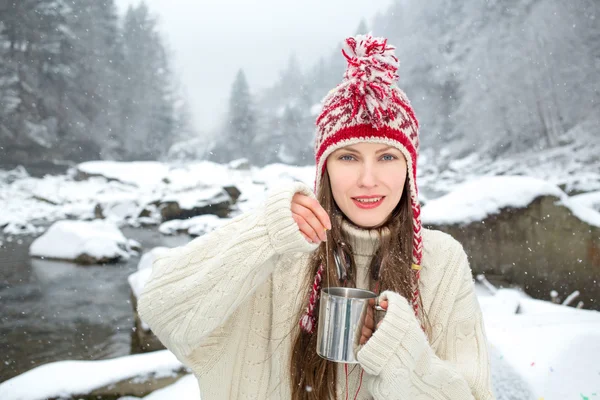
x=312 y=219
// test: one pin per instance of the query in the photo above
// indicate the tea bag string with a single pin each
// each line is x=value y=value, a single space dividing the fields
x=327 y=255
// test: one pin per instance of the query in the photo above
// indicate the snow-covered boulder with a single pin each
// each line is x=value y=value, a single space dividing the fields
x=83 y=242
x=144 y=339
x=118 y=208
x=195 y=226
x=138 y=174
x=21 y=228
x=211 y=200
x=526 y=230
x=135 y=375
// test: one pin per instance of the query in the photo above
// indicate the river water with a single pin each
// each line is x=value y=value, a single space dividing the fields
x=51 y=311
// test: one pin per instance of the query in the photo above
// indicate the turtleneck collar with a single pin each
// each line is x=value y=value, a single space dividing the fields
x=364 y=242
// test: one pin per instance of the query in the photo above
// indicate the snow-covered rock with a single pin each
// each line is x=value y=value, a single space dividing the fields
x=145 y=339
x=71 y=379
x=526 y=230
x=195 y=226
x=82 y=242
x=477 y=199
x=138 y=173
x=118 y=208
x=21 y=228
x=211 y=200
x=138 y=279
x=276 y=174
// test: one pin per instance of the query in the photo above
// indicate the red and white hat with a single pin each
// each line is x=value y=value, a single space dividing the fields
x=368 y=106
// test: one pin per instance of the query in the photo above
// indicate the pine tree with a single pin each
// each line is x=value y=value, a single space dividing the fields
x=37 y=46
x=147 y=116
x=96 y=83
x=238 y=138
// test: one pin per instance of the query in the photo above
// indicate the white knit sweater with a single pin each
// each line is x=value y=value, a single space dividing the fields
x=226 y=303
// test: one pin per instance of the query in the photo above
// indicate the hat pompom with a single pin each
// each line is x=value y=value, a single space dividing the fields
x=370 y=59
x=367 y=88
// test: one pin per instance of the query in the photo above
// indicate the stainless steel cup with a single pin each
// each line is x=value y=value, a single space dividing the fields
x=342 y=315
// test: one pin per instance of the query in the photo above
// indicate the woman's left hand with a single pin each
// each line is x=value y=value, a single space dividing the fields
x=368 y=327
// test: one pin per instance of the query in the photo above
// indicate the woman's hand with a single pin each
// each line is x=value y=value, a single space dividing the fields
x=312 y=219
x=368 y=327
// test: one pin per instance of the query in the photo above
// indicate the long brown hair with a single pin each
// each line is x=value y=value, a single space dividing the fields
x=312 y=377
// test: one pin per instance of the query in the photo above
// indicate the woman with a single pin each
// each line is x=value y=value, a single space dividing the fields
x=239 y=306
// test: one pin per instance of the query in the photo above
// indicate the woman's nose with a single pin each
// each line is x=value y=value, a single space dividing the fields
x=367 y=177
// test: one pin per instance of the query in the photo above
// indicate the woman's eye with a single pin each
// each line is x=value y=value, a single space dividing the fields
x=346 y=157
x=388 y=157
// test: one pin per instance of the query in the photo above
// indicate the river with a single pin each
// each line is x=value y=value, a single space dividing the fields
x=53 y=311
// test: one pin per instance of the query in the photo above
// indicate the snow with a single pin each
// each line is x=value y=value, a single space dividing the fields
x=139 y=173
x=38 y=201
x=555 y=353
x=138 y=279
x=117 y=207
x=479 y=198
x=275 y=174
x=85 y=376
x=67 y=240
x=581 y=211
x=554 y=348
x=195 y=226
x=185 y=388
x=198 y=198
x=591 y=200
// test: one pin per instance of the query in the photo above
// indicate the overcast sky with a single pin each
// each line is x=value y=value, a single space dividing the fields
x=211 y=40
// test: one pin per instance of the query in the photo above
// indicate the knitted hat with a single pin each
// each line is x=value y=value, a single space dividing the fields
x=367 y=106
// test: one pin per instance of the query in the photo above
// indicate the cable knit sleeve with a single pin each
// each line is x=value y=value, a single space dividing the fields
x=400 y=363
x=194 y=289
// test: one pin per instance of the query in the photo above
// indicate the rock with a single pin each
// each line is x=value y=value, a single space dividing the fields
x=541 y=247
x=234 y=192
x=142 y=338
x=45 y=200
x=98 y=212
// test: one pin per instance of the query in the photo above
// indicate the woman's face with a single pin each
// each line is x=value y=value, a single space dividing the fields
x=367 y=181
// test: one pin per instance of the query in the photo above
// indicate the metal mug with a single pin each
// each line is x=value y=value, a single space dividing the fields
x=342 y=314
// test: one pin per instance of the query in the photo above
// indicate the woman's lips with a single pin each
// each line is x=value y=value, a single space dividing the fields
x=368 y=202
